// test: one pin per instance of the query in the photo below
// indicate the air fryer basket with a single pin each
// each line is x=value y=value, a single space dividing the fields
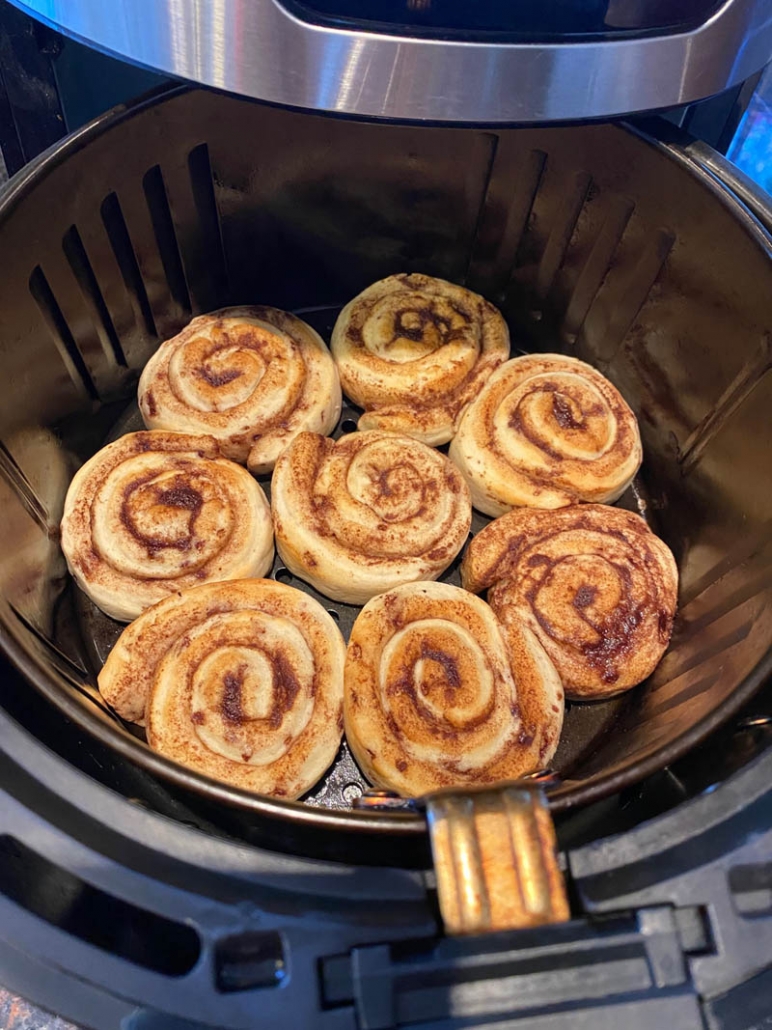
x=595 y=240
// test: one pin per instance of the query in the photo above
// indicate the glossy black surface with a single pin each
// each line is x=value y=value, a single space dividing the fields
x=596 y=240
x=591 y=240
x=523 y=20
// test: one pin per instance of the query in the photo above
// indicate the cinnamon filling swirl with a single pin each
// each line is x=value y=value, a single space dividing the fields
x=363 y=514
x=439 y=693
x=546 y=431
x=156 y=512
x=594 y=584
x=239 y=681
x=413 y=351
x=252 y=377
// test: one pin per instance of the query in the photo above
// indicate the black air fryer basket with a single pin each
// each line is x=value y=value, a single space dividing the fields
x=630 y=251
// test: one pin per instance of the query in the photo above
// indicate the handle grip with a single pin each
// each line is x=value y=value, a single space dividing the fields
x=495 y=856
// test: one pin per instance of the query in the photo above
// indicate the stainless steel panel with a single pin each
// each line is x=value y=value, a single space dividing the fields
x=257 y=48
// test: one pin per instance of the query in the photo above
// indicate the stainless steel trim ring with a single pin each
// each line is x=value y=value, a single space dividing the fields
x=259 y=49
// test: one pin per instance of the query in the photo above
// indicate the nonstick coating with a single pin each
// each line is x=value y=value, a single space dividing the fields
x=585 y=725
x=597 y=241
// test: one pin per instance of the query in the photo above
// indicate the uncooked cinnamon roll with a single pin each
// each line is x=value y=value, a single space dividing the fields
x=157 y=512
x=544 y=432
x=595 y=585
x=413 y=351
x=240 y=681
x=252 y=377
x=438 y=693
x=361 y=515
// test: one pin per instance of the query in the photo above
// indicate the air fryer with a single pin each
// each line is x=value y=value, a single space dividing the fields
x=135 y=892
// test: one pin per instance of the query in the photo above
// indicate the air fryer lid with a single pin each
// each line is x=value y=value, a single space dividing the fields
x=444 y=60
x=596 y=240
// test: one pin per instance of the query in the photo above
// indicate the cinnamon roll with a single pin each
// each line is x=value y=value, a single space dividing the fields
x=438 y=693
x=361 y=515
x=241 y=681
x=546 y=431
x=251 y=377
x=593 y=583
x=413 y=351
x=157 y=512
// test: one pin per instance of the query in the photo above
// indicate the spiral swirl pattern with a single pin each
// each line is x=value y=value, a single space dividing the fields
x=413 y=351
x=593 y=583
x=241 y=681
x=438 y=693
x=252 y=377
x=546 y=431
x=361 y=515
x=156 y=512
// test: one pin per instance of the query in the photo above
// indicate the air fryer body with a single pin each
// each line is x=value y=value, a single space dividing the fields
x=601 y=241
x=441 y=60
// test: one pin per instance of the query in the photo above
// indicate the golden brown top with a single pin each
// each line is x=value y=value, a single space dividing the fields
x=252 y=377
x=357 y=516
x=437 y=693
x=546 y=431
x=155 y=512
x=239 y=681
x=413 y=350
x=595 y=585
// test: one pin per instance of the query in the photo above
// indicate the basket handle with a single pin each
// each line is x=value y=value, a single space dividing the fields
x=495 y=856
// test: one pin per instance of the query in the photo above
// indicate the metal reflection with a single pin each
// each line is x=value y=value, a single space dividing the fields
x=260 y=49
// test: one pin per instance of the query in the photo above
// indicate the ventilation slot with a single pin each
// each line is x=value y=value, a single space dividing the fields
x=202 y=185
x=118 y=234
x=64 y=663
x=75 y=674
x=616 y=308
x=503 y=224
x=528 y=189
x=752 y=586
x=744 y=383
x=595 y=268
x=749 y=546
x=76 y=255
x=18 y=482
x=483 y=206
x=60 y=331
x=166 y=238
x=692 y=689
x=680 y=661
x=560 y=237
x=76 y=908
